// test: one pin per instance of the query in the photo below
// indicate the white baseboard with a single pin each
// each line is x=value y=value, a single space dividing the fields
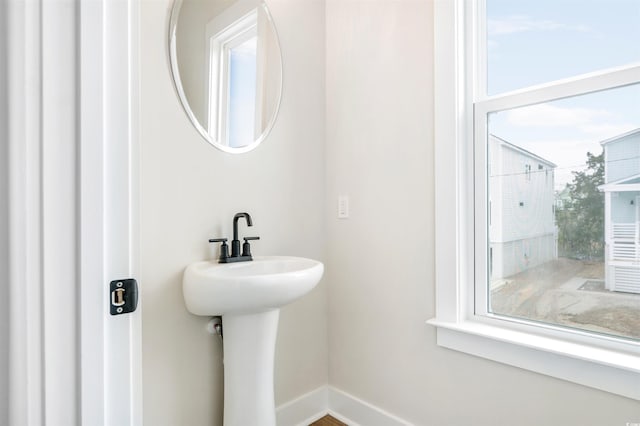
x=325 y=400
x=356 y=412
x=305 y=409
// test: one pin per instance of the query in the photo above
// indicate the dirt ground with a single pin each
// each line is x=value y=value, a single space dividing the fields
x=568 y=292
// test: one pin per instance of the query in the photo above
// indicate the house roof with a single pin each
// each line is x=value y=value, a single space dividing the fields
x=619 y=137
x=525 y=152
x=626 y=180
x=629 y=183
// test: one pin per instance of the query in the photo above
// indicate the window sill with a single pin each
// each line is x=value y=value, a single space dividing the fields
x=604 y=369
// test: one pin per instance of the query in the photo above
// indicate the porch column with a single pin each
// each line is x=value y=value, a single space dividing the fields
x=608 y=278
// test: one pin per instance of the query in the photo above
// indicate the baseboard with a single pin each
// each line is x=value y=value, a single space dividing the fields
x=356 y=412
x=325 y=400
x=305 y=409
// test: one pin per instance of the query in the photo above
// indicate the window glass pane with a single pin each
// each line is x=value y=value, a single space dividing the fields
x=242 y=93
x=533 y=42
x=564 y=212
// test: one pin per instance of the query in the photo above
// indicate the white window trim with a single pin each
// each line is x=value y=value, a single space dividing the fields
x=604 y=363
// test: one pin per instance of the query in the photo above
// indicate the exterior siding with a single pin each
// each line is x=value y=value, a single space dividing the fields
x=622 y=222
x=622 y=209
x=513 y=257
x=622 y=157
x=522 y=227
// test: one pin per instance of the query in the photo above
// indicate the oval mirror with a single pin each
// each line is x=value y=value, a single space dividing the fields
x=227 y=69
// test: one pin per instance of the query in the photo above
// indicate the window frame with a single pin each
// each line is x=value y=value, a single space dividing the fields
x=219 y=46
x=462 y=321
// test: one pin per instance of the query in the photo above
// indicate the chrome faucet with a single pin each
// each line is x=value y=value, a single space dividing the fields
x=236 y=256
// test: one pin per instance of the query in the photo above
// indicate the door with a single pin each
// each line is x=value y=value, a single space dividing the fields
x=108 y=199
x=71 y=149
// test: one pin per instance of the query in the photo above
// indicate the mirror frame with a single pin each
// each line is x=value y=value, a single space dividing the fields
x=177 y=84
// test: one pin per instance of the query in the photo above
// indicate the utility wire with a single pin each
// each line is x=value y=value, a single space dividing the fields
x=582 y=165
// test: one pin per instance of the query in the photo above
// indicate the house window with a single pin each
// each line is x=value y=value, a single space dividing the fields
x=551 y=290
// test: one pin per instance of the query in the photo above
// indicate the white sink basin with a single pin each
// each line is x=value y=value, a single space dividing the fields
x=268 y=282
x=248 y=296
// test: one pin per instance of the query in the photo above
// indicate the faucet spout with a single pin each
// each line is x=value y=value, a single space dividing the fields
x=235 y=223
x=235 y=244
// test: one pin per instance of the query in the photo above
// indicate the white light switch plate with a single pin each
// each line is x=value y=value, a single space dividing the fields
x=343 y=206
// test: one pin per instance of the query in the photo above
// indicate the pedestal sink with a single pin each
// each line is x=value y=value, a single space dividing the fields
x=248 y=296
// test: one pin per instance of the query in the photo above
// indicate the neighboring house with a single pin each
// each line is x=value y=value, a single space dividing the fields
x=522 y=231
x=621 y=213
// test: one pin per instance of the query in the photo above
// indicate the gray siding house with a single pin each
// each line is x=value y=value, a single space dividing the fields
x=622 y=211
x=522 y=231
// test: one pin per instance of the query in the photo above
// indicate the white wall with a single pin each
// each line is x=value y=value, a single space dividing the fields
x=4 y=223
x=376 y=145
x=191 y=49
x=189 y=193
x=622 y=211
x=380 y=262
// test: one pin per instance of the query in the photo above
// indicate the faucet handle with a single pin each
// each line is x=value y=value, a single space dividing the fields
x=246 y=248
x=224 y=248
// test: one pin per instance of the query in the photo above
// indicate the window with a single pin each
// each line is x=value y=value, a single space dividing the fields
x=232 y=80
x=522 y=125
x=577 y=267
x=241 y=83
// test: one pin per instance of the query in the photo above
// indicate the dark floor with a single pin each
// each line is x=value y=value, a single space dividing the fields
x=328 y=421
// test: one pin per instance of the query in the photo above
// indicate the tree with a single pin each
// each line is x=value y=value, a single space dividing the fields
x=580 y=220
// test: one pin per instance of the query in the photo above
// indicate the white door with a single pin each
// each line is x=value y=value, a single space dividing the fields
x=109 y=168
x=72 y=164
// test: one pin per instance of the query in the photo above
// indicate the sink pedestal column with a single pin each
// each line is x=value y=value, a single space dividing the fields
x=249 y=348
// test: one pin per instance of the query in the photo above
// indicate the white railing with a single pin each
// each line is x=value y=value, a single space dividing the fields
x=626 y=279
x=624 y=251
x=624 y=257
x=624 y=244
x=624 y=231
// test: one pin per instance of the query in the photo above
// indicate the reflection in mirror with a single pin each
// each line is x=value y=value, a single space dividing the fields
x=227 y=69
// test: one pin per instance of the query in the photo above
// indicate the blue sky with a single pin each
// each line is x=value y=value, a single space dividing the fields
x=242 y=93
x=537 y=41
x=533 y=42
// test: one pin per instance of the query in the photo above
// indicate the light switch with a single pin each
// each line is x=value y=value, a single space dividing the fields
x=343 y=206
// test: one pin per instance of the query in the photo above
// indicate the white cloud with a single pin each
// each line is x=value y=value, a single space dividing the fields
x=595 y=124
x=521 y=23
x=546 y=115
x=603 y=131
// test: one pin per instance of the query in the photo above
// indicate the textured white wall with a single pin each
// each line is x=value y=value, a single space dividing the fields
x=380 y=261
x=189 y=193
